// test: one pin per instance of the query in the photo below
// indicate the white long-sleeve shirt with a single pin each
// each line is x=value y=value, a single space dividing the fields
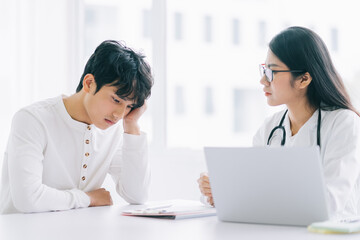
x=51 y=160
x=339 y=150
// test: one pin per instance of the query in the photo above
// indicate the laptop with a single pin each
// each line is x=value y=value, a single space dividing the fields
x=267 y=185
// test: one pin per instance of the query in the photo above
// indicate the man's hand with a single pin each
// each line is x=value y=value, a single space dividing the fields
x=100 y=197
x=205 y=189
x=131 y=120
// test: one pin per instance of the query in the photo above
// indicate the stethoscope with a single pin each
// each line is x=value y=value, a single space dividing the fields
x=281 y=127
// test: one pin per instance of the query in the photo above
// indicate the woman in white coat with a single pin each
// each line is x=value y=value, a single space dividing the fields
x=299 y=73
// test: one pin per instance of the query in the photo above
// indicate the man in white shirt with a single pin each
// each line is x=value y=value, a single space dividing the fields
x=60 y=149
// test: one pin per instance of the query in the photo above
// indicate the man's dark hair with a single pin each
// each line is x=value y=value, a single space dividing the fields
x=114 y=64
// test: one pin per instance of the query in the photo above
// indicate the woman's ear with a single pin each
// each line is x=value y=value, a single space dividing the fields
x=88 y=82
x=305 y=80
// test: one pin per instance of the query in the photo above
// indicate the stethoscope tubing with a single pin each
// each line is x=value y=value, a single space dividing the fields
x=280 y=126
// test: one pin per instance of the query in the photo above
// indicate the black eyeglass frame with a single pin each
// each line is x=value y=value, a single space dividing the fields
x=269 y=73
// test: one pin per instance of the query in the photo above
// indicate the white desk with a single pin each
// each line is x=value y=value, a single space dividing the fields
x=106 y=223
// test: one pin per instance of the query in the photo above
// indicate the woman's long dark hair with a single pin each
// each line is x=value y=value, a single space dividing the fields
x=302 y=49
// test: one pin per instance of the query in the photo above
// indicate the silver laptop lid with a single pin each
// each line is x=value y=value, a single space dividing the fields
x=267 y=185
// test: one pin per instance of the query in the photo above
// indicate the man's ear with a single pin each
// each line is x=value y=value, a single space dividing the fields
x=304 y=80
x=88 y=82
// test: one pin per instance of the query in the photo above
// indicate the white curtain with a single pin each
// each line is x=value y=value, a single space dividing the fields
x=40 y=54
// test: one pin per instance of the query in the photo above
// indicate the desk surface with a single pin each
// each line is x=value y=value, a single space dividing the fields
x=108 y=223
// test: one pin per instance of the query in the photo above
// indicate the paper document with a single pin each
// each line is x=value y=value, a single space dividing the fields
x=351 y=225
x=175 y=209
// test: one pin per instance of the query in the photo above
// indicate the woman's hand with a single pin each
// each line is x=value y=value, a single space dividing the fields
x=205 y=189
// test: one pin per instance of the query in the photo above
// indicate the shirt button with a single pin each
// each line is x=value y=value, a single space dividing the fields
x=84 y=166
x=87 y=141
x=87 y=154
x=88 y=127
x=83 y=178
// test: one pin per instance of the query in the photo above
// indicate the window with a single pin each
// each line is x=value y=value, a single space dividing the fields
x=179 y=100
x=146 y=26
x=248 y=110
x=236 y=31
x=334 y=39
x=100 y=22
x=239 y=106
x=262 y=34
x=209 y=102
x=178 y=26
x=198 y=79
x=207 y=29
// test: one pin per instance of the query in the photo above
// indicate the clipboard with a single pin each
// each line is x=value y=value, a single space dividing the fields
x=176 y=209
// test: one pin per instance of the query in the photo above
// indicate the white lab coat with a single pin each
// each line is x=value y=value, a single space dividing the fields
x=339 y=150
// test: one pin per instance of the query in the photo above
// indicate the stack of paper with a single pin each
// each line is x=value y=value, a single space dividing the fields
x=336 y=226
x=175 y=209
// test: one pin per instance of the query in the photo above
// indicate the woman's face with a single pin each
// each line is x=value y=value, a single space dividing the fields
x=279 y=91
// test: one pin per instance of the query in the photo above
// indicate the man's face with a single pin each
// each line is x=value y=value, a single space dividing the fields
x=105 y=108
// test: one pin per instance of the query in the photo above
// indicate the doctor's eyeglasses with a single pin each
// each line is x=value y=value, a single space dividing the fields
x=270 y=73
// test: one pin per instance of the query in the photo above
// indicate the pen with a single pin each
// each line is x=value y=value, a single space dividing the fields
x=159 y=207
x=351 y=220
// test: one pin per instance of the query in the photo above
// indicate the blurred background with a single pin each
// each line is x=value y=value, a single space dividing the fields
x=204 y=56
